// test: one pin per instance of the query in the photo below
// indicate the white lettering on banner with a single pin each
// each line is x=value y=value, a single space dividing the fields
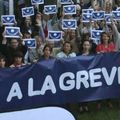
x=68 y=81
x=15 y=91
x=118 y=75
x=94 y=76
x=109 y=78
x=47 y=85
x=82 y=77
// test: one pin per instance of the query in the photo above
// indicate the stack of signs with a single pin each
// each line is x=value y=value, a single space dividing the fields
x=65 y=1
x=95 y=35
x=12 y=32
x=86 y=15
x=98 y=15
x=35 y=2
x=69 y=9
x=27 y=11
x=54 y=35
x=50 y=9
x=30 y=43
x=69 y=24
x=8 y=19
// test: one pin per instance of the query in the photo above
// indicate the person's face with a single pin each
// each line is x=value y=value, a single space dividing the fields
x=67 y=48
x=2 y=63
x=14 y=43
x=38 y=41
x=73 y=33
x=86 y=46
x=105 y=38
x=28 y=21
x=18 y=60
x=47 y=52
x=26 y=36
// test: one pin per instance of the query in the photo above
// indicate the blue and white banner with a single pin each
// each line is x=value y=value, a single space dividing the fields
x=50 y=9
x=12 y=32
x=86 y=17
x=27 y=11
x=30 y=43
x=65 y=2
x=69 y=24
x=54 y=35
x=60 y=81
x=69 y=9
x=37 y=2
x=8 y=19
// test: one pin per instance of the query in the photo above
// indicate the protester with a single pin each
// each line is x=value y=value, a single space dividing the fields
x=47 y=51
x=2 y=61
x=66 y=51
x=106 y=45
x=17 y=60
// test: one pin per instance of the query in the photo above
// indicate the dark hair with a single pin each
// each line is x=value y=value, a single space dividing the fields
x=47 y=45
x=2 y=57
x=104 y=33
x=18 y=54
x=67 y=42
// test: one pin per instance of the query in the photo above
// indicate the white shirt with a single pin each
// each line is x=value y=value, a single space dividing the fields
x=63 y=55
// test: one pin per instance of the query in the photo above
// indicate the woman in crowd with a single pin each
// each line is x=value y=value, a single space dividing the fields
x=66 y=51
x=2 y=61
x=106 y=45
x=17 y=60
x=47 y=51
x=86 y=48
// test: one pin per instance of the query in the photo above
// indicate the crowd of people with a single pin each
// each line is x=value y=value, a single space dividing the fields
x=74 y=43
x=78 y=42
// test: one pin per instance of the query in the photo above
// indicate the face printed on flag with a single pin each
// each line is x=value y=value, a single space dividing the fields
x=69 y=24
x=89 y=11
x=86 y=17
x=69 y=9
x=30 y=43
x=50 y=9
x=95 y=34
x=98 y=15
x=8 y=19
x=54 y=35
x=108 y=18
x=12 y=32
x=65 y=1
x=116 y=15
x=34 y=2
x=28 y=11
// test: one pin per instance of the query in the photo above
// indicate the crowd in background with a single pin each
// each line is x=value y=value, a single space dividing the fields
x=74 y=42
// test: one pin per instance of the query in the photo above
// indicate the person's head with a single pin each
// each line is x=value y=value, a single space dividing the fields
x=67 y=47
x=105 y=38
x=2 y=61
x=28 y=21
x=108 y=6
x=26 y=35
x=73 y=34
x=14 y=43
x=38 y=41
x=47 y=50
x=86 y=46
x=18 y=58
x=117 y=2
x=85 y=36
